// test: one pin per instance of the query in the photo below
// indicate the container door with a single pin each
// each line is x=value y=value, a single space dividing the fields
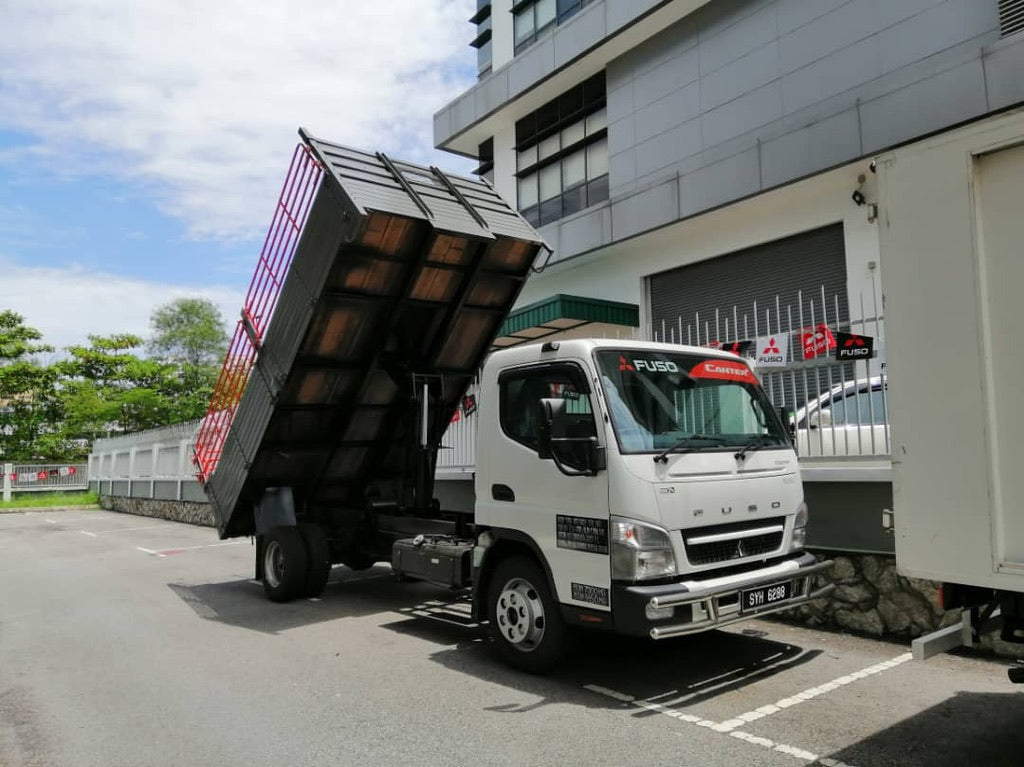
x=999 y=190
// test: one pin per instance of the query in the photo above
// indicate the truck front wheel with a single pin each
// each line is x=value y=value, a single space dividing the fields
x=525 y=624
x=285 y=564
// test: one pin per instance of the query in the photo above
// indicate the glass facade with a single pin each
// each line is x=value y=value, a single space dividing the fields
x=534 y=17
x=562 y=154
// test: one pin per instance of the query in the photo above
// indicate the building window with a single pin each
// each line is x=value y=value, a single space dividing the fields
x=534 y=17
x=485 y=154
x=482 y=41
x=562 y=154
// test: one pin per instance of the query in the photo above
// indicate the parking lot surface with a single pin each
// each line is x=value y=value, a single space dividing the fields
x=133 y=641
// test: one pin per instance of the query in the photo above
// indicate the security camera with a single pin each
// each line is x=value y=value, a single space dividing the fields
x=857 y=197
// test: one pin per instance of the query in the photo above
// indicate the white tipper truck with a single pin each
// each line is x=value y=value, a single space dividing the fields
x=951 y=228
x=643 y=488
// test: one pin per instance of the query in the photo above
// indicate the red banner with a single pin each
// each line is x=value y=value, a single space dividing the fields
x=817 y=341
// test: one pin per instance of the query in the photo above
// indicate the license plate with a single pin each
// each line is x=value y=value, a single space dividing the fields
x=763 y=596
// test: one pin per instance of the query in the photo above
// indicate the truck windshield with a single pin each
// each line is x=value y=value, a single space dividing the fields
x=662 y=401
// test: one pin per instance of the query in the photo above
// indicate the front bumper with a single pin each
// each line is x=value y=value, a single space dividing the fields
x=711 y=603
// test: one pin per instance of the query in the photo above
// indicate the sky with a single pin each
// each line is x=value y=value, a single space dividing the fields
x=143 y=145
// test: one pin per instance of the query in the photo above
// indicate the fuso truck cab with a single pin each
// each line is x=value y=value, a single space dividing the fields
x=645 y=488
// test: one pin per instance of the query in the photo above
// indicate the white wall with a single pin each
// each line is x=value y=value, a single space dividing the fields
x=502 y=48
x=505 y=164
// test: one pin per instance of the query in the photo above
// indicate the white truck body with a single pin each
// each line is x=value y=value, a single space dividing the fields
x=951 y=228
x=734 y=519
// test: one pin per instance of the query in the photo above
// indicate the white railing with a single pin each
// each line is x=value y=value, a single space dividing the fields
x=157 y=463
x=43 y=477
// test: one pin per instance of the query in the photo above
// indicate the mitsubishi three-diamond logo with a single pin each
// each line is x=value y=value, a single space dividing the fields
x=853 y=346
x=773 y=351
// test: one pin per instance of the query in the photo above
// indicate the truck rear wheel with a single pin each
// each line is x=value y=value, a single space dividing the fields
x=285 y=564
x=318 y=551
x=525 y=625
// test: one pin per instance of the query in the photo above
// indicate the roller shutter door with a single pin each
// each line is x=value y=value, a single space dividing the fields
x=797 y=270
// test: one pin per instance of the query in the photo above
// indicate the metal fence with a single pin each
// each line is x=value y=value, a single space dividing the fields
x=825 y=367
x=43 y=477
x=157 y=463
x=457 y=457
x=837 y=407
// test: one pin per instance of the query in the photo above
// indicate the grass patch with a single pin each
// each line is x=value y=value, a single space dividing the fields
x=50 y=500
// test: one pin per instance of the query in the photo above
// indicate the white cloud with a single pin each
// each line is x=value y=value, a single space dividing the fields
x=201 y=100
x=67 y=305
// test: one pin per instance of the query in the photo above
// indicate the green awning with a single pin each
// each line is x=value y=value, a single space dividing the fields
x=560 y=313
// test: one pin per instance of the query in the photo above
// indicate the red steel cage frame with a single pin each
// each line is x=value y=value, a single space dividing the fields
x=275 y=257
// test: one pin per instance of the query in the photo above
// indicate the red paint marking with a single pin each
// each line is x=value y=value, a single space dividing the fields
x=168 y=552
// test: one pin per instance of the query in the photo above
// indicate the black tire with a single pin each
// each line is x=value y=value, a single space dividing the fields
x=318 y=551
x=524 y=621
x=285 y=564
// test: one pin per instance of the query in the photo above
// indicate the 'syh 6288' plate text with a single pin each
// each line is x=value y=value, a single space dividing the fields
x=763 y=596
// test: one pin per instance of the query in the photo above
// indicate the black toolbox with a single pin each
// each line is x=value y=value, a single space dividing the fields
x=440 y=559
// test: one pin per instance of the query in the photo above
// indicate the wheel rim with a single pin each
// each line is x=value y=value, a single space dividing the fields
x=520 y=615
x=273 y=564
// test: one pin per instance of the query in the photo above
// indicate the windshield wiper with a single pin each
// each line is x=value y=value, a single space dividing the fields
x=761 y=440
x=662 y=457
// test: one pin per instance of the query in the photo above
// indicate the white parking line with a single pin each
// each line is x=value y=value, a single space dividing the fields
x=183 y=549
x=805 y=756
x=730 y=726
x=86 y=532
x=808 y=757
x=810 y=694
x=129 y=529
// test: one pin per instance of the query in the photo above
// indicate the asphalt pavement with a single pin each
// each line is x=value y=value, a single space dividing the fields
x=132 y=641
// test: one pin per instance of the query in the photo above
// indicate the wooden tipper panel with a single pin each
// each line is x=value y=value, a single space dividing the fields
x=399 y=269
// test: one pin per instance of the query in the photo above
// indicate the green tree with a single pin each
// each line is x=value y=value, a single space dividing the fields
x=188 y=331
x=29 y=407
x=106 y=387
x=189 y=334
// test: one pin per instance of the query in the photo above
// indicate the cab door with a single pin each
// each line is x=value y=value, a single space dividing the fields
x=564 y=513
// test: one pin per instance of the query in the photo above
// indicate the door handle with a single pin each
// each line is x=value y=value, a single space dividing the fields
x=501 y=492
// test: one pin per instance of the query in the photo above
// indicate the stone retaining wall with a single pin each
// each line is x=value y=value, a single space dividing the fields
x=871 y=598
x=190 y=512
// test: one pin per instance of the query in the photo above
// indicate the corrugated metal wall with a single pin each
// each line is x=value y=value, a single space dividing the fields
x=715 y=300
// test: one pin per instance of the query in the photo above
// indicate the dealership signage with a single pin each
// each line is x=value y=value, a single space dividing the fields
x=772 y=351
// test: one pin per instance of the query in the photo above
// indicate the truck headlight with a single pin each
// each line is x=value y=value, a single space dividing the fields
x=640 y=552
x=799 y=528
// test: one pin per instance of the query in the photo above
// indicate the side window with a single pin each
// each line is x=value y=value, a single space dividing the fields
x=521 y=390
x=860 y=409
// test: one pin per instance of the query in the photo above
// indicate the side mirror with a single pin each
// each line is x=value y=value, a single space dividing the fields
x=788 y=419
x=550 y=423
x=552 y=442
x=820 y=419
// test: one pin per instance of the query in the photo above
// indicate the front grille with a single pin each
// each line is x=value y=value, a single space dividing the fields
x=737 y=548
